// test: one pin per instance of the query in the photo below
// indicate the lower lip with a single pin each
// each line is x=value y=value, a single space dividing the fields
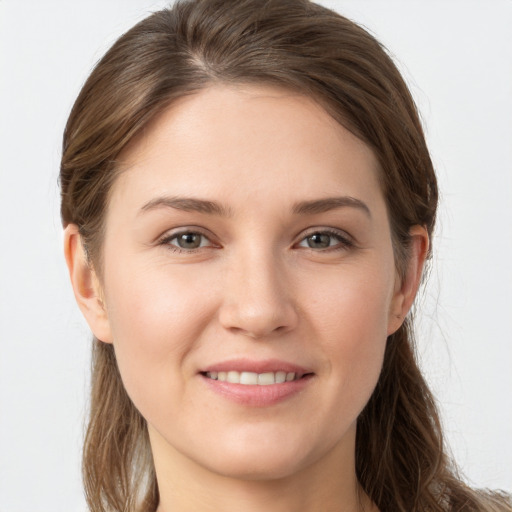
x=258 y=396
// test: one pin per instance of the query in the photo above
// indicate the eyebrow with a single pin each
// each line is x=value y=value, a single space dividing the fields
x=312 y=207
x=330 y=203
x=187 y=204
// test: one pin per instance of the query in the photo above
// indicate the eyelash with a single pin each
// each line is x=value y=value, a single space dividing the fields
x=166 y=240
x=344 y=242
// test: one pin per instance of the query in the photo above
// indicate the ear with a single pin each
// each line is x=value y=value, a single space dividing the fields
x=407 y=287
x=86 y=285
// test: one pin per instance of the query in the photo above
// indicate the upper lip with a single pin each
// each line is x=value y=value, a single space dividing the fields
x=251 y=365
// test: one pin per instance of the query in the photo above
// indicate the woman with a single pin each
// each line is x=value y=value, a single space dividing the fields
x=249 y=203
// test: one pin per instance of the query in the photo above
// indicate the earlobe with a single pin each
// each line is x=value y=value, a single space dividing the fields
x=86 y=285
x=406 y=288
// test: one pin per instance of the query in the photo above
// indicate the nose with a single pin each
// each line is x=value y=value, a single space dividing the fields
x=258 y=297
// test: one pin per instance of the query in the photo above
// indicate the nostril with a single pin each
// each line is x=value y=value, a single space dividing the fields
x=255 y=316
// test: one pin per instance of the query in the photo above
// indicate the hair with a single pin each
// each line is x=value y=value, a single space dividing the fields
x=401 y=461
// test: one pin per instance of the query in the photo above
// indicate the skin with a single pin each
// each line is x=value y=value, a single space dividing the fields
x=253 y=289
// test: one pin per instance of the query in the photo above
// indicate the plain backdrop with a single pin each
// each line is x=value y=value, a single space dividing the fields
x=457 y=57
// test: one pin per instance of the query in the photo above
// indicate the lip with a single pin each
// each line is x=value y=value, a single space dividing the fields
x=257 y=396
x=249 y=365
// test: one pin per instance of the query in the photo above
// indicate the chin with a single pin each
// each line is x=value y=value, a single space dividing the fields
x=240 y=467
x=266 y=456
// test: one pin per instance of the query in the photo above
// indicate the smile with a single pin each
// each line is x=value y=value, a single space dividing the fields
x=256 y=383
x=252 y=378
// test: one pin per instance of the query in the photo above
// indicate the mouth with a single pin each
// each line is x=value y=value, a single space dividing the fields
x=257 y=383
x=255 y=379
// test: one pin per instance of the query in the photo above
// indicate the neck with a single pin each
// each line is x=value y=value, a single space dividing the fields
x=328 y=485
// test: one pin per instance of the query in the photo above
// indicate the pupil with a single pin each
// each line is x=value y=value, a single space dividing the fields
x=319 y=241
x=189 y=241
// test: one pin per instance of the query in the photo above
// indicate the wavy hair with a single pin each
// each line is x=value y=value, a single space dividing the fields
x=296 y=44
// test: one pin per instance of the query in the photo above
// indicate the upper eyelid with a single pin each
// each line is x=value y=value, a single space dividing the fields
x=166 y=239
x=329 y=230
x=173 y=233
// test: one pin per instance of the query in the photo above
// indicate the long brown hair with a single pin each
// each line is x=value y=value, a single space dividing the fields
x=400 y=458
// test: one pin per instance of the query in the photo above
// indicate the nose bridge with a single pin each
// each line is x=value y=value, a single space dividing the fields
x=257 y=299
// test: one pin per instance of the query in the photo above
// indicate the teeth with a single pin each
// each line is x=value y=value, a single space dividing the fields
x=251 y=378
x=280 y=377
x=248 y=378
x=264 y=379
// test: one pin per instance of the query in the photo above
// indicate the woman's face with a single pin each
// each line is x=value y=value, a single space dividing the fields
x=247 y=240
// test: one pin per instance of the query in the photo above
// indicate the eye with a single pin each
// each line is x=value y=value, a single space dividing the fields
x=186 y=241
x=325 y=240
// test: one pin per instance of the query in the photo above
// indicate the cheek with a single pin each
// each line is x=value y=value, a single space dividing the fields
x=156 y=317
x=350 y=315
x=354 y=299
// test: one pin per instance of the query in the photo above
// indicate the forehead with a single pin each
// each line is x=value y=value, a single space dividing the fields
x=244 y=143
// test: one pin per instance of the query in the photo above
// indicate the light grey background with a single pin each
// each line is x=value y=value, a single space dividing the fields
x=457 y=58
